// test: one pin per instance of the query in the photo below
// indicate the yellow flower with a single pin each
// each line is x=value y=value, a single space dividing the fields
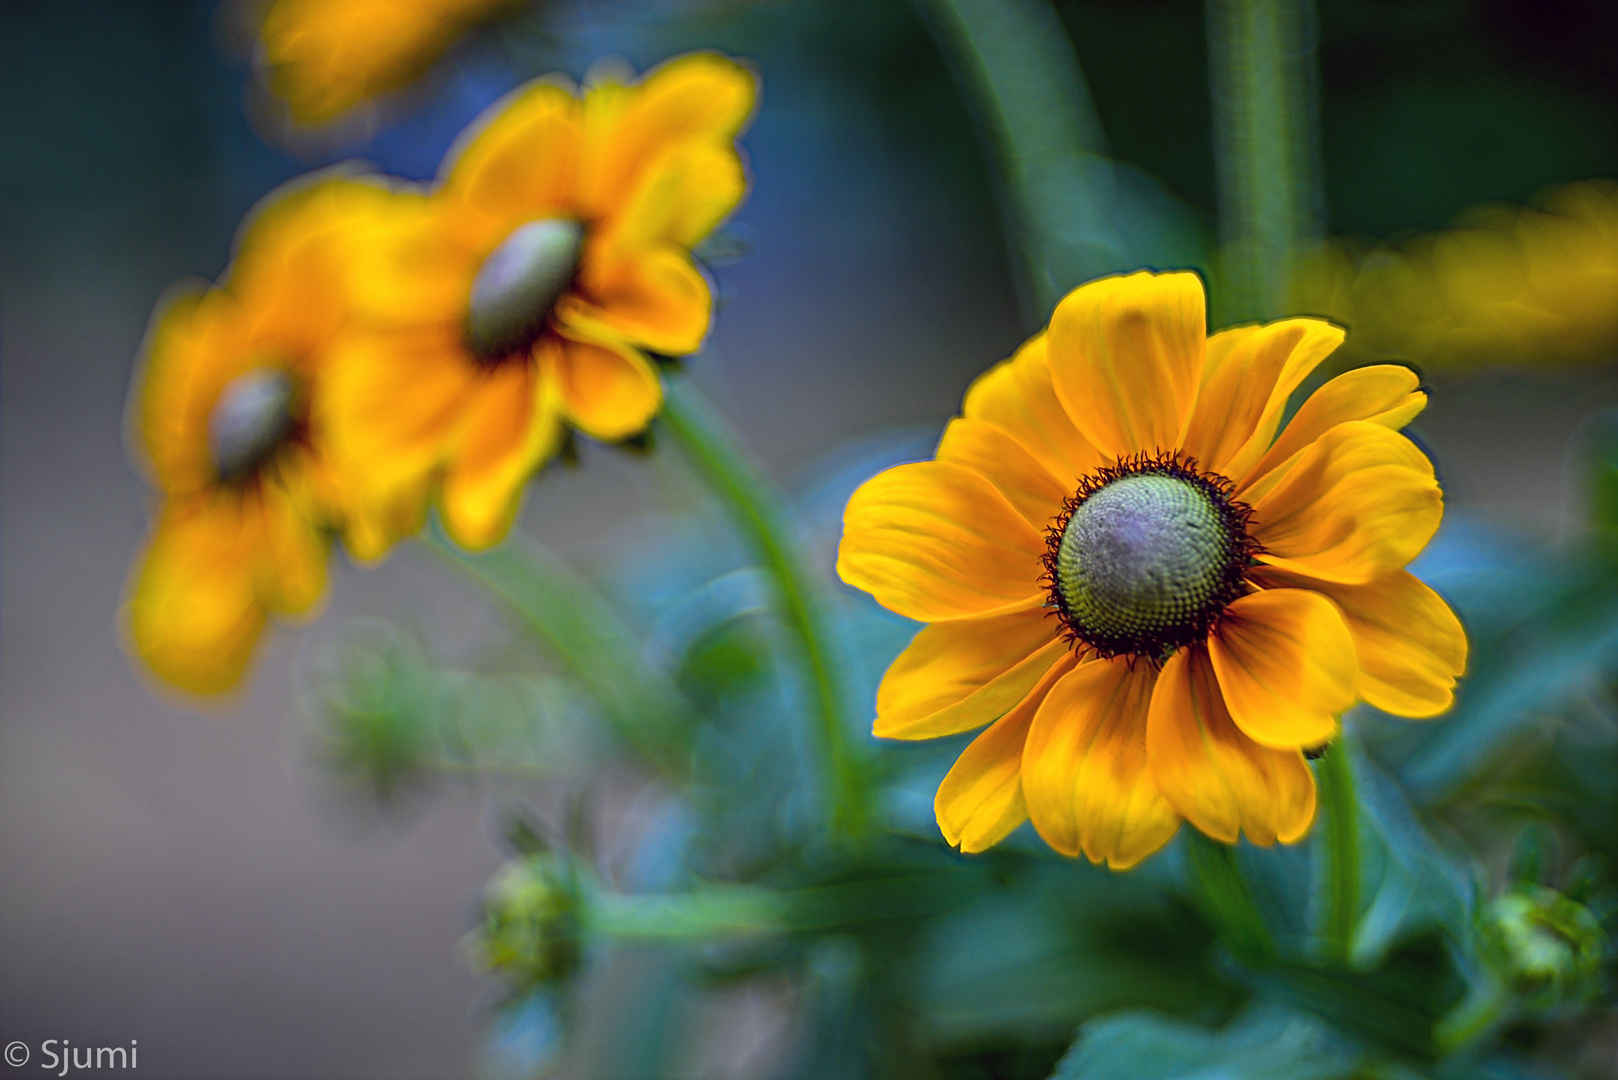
x=1506 y=285
x=1154 y=600
x=324 y=57
x=221 y=415
x=523 y=294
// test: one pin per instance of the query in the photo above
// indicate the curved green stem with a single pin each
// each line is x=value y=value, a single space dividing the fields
x=1335 y=775
x=756 y=510
x=583 y=631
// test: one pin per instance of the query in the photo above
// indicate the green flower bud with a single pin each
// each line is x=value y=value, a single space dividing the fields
x=532 y=933
x=1547 y=947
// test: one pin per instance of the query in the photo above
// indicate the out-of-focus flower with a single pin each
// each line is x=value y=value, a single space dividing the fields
x=532 y=934
x=525 y=292
x=324 y=57
x=221 y=415
x=1548 y=947
x=1156 y=599
x=1506 y=285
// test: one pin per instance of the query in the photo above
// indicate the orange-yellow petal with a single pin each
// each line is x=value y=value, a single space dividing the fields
x=1410 y=645
x=1017 y=396
x=511 y=426
x=1085 y=777
x=194 y=613
x=1359 y=502
x=1383 y=394
x=606 y=389
x=390 y=404
x=1021 y=477
x=294 y=550
x=1286 y=666
x=981 y=800
x=1249 y=373
x=655 y=298
x=1126 y=359
x=935 y=540
x=1214 y=776
x=963 y=673
x=699 y=98
x=518 y=161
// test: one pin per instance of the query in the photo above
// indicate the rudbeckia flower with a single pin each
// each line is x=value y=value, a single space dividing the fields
x=324 y=57
x=1154 y=600
x=524 y=293
x=221 y=416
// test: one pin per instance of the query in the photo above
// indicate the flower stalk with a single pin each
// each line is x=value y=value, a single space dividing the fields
x=1262 y=64
x=584 y=632
x=756 y=510
x=1335 y=774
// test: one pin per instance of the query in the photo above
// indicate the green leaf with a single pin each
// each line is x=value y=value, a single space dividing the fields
x=1264 y=1043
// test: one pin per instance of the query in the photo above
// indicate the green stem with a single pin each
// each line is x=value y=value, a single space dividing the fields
x=1335 y=775
x=582 y=630
x=1226 y=897
x=757 y=511
x=1017 y=65
x=713 y=911
x=1261 y=61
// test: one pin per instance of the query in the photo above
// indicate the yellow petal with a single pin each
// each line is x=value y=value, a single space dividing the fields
x=511 y=427
x=409 y=267
x=702 y=98
x=389 y=406
x=935 y=540
x=980 y=800
x=607 y=389
x=517 y=162
x=194 y=613
x=1216 y=777
x=1411 y=647
x=1286 y=665
x=192 y=350
x=1025 y=482
x=1016 y=395
x=1358 y=503
x=1126 y=359
x=1084 y=771
x=1249 y=373
x=963 y=673
x=656 y=299
x=1383 y=394
x=295 y=549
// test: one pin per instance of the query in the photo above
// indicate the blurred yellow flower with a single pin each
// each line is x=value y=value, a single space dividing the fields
x=523 y=294
x=220 y=415
x=324 y=57
x=1154 y=600
x=1506 y=285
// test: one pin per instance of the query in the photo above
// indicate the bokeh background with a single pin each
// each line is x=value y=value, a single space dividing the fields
x=195 y=880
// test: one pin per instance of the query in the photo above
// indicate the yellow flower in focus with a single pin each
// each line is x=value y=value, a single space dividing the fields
x=524 y=293
x=324 y=57
x=1154 y=599
x=221 y=416
x=1506 y=285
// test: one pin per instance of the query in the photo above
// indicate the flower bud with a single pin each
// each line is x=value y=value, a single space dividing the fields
x=532 y=933
x=1548 y=948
